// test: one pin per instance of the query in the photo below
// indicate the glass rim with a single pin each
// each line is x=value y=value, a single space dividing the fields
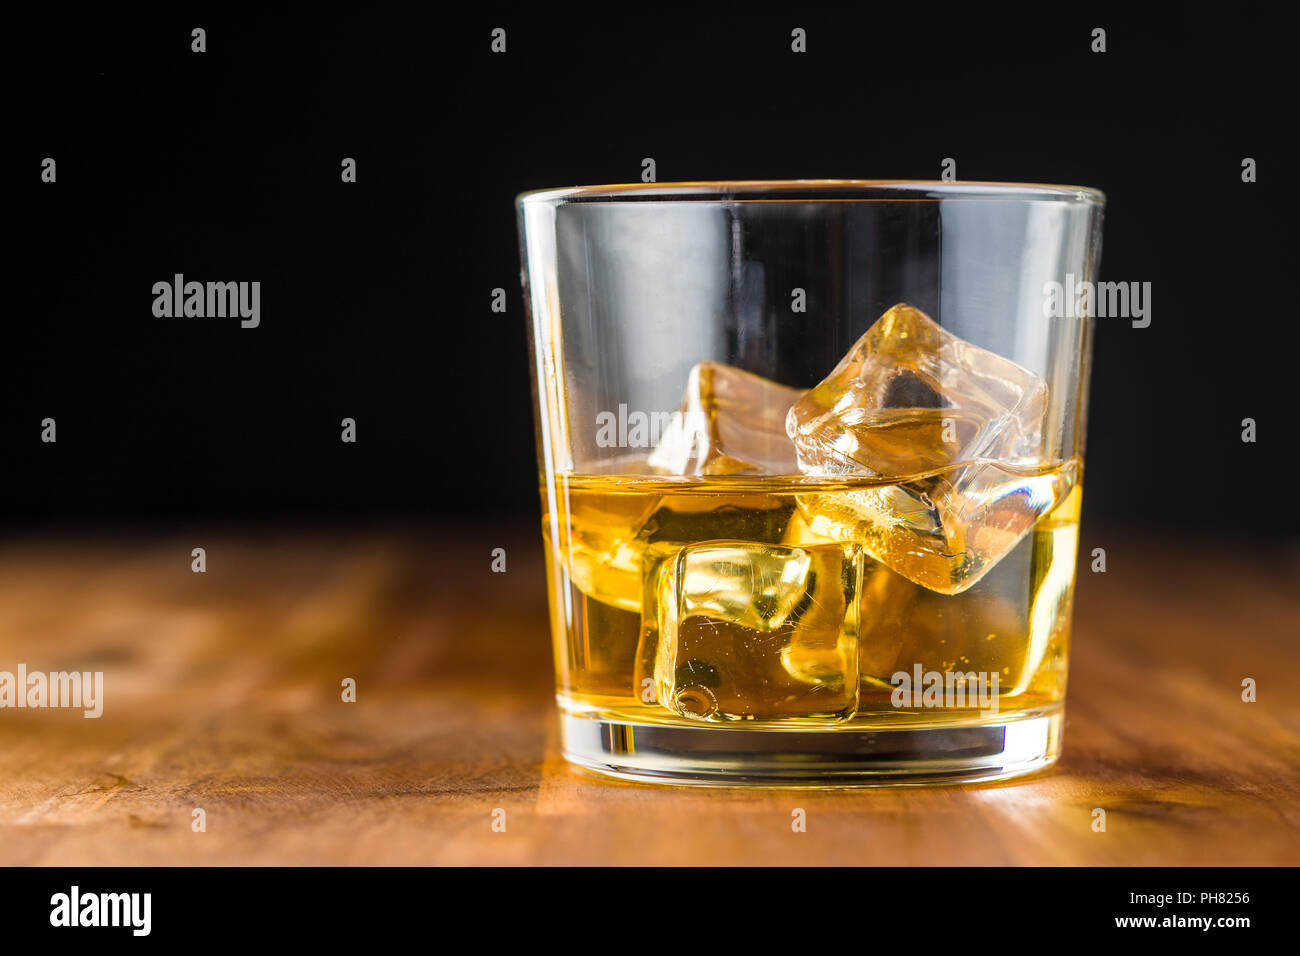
x=813 y=190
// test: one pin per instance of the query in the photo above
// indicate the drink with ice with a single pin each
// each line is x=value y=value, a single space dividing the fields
x=848 y=555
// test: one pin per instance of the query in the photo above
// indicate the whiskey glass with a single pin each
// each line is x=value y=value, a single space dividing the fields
x=810 y=460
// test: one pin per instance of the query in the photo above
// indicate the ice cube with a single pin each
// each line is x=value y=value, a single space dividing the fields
x=606 y=535
x=911 y=397
x=1012 y=624
x=680 y=519
x=600 y=537
x=943 y=532
x=754 y=632
x=962 y=429
x=731 y=422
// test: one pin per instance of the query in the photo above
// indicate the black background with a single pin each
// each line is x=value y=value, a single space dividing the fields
x=375 y=296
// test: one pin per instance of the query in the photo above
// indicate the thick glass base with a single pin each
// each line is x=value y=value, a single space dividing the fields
x=842 y=757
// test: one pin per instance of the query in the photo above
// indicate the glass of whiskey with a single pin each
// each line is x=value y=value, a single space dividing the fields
x=810 y=459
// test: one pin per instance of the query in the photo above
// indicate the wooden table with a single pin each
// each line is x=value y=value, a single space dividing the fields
x=223 y=693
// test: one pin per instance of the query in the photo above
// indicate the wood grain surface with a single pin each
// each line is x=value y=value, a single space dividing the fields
x=222 y=692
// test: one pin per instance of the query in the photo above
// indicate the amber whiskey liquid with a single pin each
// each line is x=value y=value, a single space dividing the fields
x=756 y=603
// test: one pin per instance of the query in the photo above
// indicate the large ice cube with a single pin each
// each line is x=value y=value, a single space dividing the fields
x=959 y=426
x=944 y=532
x=731 y=422
x=680 y=519
x=600 y=538
x=1014 y=623
x=607 y=535
x=911 y=397
x=754 y=632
